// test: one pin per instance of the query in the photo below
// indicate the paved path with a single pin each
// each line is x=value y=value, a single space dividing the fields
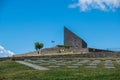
x=32 y=65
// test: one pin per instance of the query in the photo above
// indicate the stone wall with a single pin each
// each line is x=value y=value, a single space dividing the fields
x=59 y=50
x=72 y=56
x=98 y=50
x=72 y=49
x=50 y=50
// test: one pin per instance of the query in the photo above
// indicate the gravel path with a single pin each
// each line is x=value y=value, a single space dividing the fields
x=32 y=65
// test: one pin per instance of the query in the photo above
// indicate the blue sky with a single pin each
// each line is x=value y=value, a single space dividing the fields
x=23 y=22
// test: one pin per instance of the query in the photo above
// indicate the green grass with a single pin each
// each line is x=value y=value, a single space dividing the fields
x=55 y=54
x=10 y=70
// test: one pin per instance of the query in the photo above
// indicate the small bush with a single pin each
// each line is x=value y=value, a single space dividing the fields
x=63 y=46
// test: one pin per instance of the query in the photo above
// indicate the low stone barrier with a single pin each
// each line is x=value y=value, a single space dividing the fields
x=84 y=55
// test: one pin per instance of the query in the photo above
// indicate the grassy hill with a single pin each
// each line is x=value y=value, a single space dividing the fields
x=36 y=54
x=10 y=70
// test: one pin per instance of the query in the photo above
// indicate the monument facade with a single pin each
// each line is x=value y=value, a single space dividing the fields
x=75 y=43
x=71 y=39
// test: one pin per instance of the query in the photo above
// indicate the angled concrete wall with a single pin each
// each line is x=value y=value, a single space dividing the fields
x=71 y=39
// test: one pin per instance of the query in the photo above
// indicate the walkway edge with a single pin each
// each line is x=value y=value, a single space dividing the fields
x=32 y=65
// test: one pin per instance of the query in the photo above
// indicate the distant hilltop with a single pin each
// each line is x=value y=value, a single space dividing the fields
x=72 y=43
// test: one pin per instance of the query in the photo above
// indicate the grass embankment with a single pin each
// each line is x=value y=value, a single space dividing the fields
x=55 y=54
x=10 y=70
x=46 y=54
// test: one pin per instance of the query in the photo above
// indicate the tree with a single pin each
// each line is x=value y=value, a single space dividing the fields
x=38 y=46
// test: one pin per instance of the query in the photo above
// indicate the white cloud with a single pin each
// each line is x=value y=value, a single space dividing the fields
x=104 y=5
x=5 y=53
